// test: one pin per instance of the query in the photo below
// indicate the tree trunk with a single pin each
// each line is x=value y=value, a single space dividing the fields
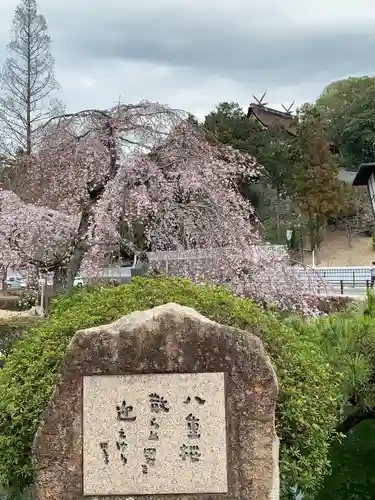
x=311 y=232
x=354 y=419
x=350 y=232
x=4 y=279
x=278 y=216
x=318 y=230
x=66 y=267
x=63 y=278
x=28 y=90
x=318 y=238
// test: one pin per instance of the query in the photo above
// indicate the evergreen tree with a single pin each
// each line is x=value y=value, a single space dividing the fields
x=315 y=186
x=27 y=83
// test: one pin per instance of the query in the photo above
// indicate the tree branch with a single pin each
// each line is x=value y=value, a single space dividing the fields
x=354 y=419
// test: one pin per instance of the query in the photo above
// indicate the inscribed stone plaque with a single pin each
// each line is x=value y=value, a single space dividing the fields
x=154 y=434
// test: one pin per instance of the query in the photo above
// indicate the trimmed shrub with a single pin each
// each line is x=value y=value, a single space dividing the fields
x=309 y=390
x=12 y=329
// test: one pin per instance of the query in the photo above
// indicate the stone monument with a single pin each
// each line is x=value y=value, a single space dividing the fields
x=161 y=402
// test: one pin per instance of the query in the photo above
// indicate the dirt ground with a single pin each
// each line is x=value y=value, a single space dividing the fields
x=337 y=252
x=5 y=313
x=11 y=314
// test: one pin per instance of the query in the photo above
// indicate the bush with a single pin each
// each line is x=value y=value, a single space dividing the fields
x=15 y=494
x=12 y=328
x=348 y=339
x=26 y=301
x=353 y=464
x=373 y=241
x=331 y=305
x=309 y=390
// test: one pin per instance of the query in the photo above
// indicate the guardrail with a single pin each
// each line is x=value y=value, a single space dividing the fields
x=359 y=285
x=352 y=276
x=356 y=277
x=207 y=253
x=342 y=278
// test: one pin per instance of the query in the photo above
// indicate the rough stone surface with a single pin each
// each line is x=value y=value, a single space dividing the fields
x=169 y=339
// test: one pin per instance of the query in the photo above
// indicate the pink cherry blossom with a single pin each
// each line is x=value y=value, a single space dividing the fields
x=144 y=163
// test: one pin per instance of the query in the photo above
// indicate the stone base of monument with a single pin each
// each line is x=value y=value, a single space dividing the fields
x=160 y=403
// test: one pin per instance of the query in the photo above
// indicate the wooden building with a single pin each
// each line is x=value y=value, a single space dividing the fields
x=365 y=176
x=269 y=117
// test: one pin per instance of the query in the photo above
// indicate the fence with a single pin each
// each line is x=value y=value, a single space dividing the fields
x=341 y=278
x=209 y=263
x=344 y=278
x=201 y=254
x=116 y=272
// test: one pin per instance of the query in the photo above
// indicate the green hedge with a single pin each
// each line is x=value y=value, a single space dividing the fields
x=12 y=328
x=309 y=391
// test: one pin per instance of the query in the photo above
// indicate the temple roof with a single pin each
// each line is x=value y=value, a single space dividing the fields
x=269 y=117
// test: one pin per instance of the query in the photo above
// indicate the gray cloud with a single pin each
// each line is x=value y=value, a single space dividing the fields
x=243 y=45
x=279 y=61
x=188 y=49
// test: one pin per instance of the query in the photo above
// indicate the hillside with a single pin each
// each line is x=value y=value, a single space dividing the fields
x=336 y=251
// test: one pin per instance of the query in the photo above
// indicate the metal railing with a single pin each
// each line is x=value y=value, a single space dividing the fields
x=340 y=278
x=205 y=253
x=344 y=278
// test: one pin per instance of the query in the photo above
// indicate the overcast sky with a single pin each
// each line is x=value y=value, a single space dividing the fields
x=192 y=54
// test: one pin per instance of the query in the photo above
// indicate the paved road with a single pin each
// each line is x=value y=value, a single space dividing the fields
x=356 y=293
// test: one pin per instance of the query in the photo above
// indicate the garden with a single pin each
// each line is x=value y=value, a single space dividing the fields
x=324 y=368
